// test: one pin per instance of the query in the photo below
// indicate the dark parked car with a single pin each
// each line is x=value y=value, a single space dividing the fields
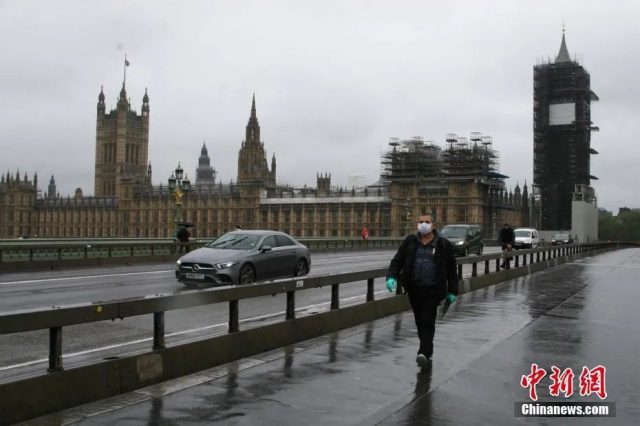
x=242 y=257
x=466 y=239
x=561 y=238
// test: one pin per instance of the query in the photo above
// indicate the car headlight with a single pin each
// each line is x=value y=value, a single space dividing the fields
x=225 y=265
x=179 y=262
x=459 y=243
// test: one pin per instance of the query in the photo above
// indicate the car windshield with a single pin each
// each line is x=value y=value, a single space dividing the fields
x=454 y=232
x=522 y=233
x=235 y=241
x=561 y=236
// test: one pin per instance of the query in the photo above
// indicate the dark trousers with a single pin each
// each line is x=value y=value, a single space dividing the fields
x=506 y=261
x=425 y=311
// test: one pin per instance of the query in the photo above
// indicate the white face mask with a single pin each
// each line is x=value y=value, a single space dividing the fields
x=424 y=228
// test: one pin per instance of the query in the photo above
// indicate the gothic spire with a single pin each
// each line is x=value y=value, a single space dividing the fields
x=253 y=106
x=253 y=127
x=123 y=93
x=123 y=103
x=563 y=54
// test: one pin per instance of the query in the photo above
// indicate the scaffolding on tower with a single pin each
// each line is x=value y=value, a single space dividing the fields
x=416 y=160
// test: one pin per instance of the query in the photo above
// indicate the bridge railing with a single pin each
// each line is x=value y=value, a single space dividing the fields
x=60 y=388
x=56 y=317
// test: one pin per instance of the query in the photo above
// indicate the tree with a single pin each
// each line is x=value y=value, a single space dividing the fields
x=624 y=227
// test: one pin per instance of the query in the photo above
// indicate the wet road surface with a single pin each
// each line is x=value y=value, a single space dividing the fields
x=579 y=314
x=26 y=354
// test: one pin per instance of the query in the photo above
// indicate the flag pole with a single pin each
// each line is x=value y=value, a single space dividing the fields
x=125 y=70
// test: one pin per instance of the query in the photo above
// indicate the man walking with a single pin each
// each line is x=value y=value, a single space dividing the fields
x=507 y=239
x=426 y=267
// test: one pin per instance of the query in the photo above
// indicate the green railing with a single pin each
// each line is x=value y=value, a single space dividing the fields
x=26 y=254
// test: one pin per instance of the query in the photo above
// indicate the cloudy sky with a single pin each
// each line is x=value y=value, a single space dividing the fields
x=334 y=80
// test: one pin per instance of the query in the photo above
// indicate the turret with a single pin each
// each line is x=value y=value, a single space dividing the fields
x=101 y=104
x=273 y=166
x=123 y=103
x=51 y=190
x=145 y=103
x=324 y=184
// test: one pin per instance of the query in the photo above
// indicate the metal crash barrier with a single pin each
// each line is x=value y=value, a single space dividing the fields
x=167 y=362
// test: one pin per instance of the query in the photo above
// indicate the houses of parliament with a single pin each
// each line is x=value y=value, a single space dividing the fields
x=457 y=183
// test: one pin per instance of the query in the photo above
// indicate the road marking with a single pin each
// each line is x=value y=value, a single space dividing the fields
x=84 y=277
x=123 y=274
x=177 y=333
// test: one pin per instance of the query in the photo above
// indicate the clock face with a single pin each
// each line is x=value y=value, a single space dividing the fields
x=562 y=114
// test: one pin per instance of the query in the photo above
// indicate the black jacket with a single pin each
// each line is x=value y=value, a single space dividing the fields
x=507 y=236
x=401 y=267
x=183 y=235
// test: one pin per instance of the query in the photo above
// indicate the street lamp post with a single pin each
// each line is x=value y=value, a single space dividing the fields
x=178 y=186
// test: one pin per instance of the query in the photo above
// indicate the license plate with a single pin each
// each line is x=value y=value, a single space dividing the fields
x=194 y=276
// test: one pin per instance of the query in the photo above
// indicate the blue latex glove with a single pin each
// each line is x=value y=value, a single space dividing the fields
x=391 y=284
x=451 y=298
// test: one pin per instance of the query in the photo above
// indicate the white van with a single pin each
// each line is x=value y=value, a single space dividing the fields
x=526 y=238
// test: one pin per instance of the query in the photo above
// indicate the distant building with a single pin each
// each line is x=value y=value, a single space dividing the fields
x=205 y=174
x=252 y=159
x=122 y=148
x=562 y=135
x=459 y=183
x=17 y=200
x=584 y=214
x=604 y=212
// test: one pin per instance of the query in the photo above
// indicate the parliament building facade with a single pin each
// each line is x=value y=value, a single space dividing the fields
x=457 y=184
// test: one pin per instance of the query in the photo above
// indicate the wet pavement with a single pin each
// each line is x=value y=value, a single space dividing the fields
x=579 y=314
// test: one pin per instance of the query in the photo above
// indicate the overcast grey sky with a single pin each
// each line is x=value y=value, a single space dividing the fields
x=333 y=81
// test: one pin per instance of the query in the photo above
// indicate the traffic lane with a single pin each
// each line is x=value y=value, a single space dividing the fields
x=134 y=332
x=26 y=353
x=75 y=272
x=28 y=277
x=113 y=338
x=125 y=283
x=108 y=284
x=567 y=316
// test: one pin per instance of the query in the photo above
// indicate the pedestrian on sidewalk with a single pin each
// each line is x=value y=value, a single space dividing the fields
x=425 y=266
x=507 y=238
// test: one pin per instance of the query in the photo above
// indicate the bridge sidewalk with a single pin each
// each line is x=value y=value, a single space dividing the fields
x=583 y=313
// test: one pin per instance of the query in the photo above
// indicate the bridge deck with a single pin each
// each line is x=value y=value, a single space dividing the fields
x=580 y=314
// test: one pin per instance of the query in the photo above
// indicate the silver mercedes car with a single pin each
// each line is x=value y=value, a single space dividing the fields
x=242 y=257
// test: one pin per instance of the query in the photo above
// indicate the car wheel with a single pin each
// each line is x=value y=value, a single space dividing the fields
x=247 y=274
x=480 y=250
x=301 y=268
